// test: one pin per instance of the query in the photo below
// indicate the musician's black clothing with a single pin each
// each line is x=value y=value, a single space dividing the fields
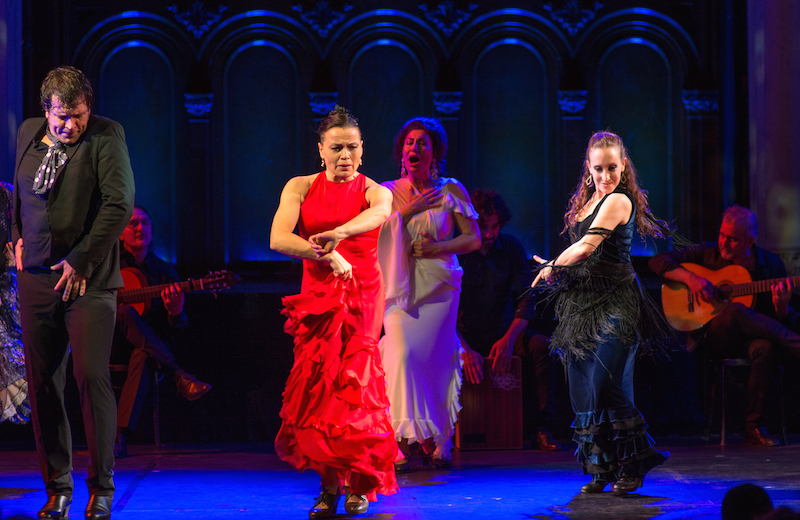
x=739 y=331
x=138 y=339
x=767 y=266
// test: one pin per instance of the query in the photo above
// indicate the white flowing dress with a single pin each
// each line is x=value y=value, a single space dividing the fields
x=420 y=350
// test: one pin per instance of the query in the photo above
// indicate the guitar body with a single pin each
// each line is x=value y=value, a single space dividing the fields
x=686 y=315
x=135 y=279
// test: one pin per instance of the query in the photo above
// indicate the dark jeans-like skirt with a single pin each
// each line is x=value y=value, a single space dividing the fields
x=610 y=432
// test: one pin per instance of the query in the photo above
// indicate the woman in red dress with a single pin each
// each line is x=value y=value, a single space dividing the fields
x=335 y=410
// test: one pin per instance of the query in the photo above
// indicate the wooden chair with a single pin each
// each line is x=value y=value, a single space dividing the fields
x=157 y=376
x=720 y=383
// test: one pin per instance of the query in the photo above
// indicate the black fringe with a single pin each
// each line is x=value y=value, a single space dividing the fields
x=596 y=299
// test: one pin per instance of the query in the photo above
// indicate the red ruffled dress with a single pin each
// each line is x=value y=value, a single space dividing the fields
x=335 y=411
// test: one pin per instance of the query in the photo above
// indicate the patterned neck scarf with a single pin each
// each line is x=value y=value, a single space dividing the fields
x=54 y=159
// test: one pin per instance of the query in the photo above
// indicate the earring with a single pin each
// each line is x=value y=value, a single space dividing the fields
x=322 y=161
x=622 y=179
x=361 y=162
x=589 y=182
x=403 y=171
x=434 y=172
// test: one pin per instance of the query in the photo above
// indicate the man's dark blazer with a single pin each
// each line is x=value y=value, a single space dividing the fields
x=89 y=205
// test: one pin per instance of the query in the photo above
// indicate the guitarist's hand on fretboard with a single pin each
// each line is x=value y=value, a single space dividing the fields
x=173 y=299
x=781 y=294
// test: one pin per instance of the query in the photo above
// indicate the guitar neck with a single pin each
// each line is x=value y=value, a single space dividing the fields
x=744 y=289
x=154 y=291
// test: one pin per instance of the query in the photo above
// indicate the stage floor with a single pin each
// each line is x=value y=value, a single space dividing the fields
x=248 y=481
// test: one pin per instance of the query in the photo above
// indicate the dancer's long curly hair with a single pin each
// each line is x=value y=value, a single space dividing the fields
x=646 y=223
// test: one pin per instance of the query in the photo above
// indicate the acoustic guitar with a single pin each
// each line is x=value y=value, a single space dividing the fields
x=733 y=284
x=139 y=294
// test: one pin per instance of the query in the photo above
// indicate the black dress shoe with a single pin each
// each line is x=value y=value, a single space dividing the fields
x=325 y=505
x=760 y=437
x=56 y=508
x=99 y=507
x=355 y=504
x=189 y=387
x=120 y=446
x=545 y=442
x=430 y=460
x=402 y=466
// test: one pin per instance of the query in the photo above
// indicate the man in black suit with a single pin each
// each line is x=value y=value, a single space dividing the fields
x=73 y=196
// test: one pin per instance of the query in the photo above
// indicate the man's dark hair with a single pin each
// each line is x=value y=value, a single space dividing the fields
x=67 y=84
x=745 y=502
x=489 y=202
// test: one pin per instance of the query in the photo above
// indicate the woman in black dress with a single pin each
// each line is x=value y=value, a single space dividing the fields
x=605 y=317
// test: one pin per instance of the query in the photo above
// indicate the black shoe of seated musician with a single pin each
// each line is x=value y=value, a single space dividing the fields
x=760 y=437
x=121 y=446
x=189 y=387
x=544 y=441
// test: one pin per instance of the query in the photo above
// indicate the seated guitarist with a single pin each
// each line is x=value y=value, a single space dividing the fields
x=139 y=339
x=761 y=333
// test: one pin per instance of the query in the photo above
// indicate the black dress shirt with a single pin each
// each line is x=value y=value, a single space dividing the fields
x=492 y=292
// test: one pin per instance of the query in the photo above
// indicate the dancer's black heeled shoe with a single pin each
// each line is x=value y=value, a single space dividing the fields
x=355 y=504
x=325 y=506
x=56 y=508
x=598 y=483
x=99 y=507
x=433 y=462
x=627 y=484
x=402 y=466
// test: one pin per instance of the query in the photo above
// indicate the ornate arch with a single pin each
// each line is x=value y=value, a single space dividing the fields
x=650 y=26
x=509 y=63
x=131 y=27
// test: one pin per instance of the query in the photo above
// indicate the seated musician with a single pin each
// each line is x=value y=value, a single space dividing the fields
x=139 y=340
x=761 y=333
x=494 y=319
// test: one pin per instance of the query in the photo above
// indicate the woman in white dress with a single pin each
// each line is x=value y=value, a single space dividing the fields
x=417 y=249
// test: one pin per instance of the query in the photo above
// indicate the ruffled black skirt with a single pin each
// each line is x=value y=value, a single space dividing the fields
x=610 y=432
x=604 y=320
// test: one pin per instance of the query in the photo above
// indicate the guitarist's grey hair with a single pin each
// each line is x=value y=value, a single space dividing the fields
x=743 y=218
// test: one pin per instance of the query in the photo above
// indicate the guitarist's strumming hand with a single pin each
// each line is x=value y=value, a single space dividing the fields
x=781 y=294
x=700 y=288
x=173 y=299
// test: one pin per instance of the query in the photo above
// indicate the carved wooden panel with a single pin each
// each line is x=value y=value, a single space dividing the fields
x=384 y=90
x=511 y=141
x=634 y=87
x=260 y=135
x=136 y=87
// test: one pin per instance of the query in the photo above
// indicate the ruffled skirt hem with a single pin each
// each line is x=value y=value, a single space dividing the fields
x=417 y=430
x=615 y=445
x=16 y=408
x=335 y=409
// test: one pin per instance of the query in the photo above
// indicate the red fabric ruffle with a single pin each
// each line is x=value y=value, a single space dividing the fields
x=335 y=410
